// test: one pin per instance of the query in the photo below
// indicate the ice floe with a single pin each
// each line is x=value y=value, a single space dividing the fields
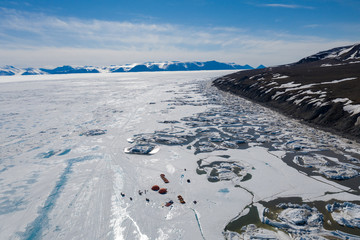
x=252 y=232
x=296 y=218
x=143 y=149
x=346 y=214
x=93 y=132
x=338 y=172
x=220 y=153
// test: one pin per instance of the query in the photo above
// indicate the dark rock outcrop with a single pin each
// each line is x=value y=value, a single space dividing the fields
x=322 y=90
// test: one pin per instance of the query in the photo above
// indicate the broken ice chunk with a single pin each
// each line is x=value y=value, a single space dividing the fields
x=170 y=140
x=216 y=139
x=346 y=214
x=310 y=161
x=143 y=149
x=93 y=132
x=338 y=172
x=240 y=141
x=229 y=144
x=295 y=217
x=297 y=147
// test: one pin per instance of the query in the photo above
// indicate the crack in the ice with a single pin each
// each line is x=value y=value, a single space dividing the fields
x=198 y=222
x=34 y=230
x=319 y=180
x=247 y=206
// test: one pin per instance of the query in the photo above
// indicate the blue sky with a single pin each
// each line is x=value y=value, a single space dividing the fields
x=38 y=33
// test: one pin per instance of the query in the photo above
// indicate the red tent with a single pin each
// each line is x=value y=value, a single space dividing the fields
x=163 y=191
x=155 y=188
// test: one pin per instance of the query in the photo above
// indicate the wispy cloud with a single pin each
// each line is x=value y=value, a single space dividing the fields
x=279 y=5
x=20 y=28
x=312 y=26
x=29 y=39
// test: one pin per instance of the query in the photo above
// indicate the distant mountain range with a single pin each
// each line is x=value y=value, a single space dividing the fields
x=322 y=89
x=145 y=67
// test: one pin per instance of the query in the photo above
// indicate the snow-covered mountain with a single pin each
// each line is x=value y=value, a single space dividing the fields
x=346 y=54
x=10 y=70
x=145 y=67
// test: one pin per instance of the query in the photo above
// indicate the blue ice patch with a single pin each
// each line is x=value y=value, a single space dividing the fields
x=8 y=205
x=34 y=230
x=224 y=190
x=66 y=151
x=47 y=154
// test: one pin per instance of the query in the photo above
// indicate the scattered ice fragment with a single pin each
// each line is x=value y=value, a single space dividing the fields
x=297 y=147
x=240 y=141
x=310 y=161
x=169 y=121
x=223 y=171
x=143 y=149
x=252 y=232
x=170 y=140
x=229 y=144
x=216 y=139
x=93 y=132
x=346 y=214
x=294 y=145
x=296 y=218
x=354 y=160
x=338 y=172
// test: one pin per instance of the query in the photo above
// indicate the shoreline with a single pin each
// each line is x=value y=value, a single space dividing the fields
x=302 y=121
x=315 y=103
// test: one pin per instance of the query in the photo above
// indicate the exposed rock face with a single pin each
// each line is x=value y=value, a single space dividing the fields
x=322 y=89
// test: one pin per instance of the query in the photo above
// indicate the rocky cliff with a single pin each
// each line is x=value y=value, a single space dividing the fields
x=322 y=89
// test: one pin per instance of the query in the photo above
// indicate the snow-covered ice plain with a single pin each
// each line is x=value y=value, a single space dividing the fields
x=80 y=154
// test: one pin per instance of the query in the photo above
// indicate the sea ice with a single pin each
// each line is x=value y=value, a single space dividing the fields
x=93 y=132
x=252 y=232
x=346 y=214
x=312 y=161
x=111 y=194
x=338 y=172
x=145 y=149
x=296 y=218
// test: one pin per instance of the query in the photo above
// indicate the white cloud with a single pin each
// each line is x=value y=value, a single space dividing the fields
x=37 y=40
x=293 y=6
x=312 y=26
x=252 y=52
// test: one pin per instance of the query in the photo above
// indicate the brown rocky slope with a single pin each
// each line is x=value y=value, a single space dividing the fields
x=322 y=89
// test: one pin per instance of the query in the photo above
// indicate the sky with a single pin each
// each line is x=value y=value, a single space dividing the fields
x=50 y=33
